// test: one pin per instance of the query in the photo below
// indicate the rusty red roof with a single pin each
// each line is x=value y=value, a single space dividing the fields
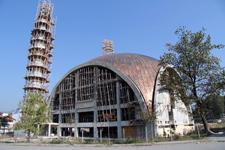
x=141 y=69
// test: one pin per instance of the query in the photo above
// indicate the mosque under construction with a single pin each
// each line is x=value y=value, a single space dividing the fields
x=107 y=97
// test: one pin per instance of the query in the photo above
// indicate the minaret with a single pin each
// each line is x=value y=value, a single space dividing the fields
x=107 y=47
x=40 y=51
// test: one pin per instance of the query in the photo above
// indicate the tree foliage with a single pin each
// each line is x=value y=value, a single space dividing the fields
x=34 y=112
x=200 y=73
x=215 y=107
x=148 y=117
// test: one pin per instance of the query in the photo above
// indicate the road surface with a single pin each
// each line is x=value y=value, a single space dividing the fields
x=183 y=146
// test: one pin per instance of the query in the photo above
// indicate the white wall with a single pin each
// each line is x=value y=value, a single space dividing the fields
x=162 y=106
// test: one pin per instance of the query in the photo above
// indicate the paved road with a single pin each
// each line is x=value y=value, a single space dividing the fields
x=187 y=146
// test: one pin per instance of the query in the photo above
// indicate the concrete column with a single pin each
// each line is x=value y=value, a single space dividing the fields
x=76 y=122
x=119 y=128
x=149 y=131
x=49 y=130
x=75 y=111
x=59 y=133
x=95 y=124
x=95 y=104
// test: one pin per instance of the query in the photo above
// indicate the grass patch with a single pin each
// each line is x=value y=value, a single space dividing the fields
x=192 y=136
x=73 y=141
x=128 y=141
x=7 y=142
x=56 y=141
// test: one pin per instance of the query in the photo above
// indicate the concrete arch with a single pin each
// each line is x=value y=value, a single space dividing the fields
x=128 y=80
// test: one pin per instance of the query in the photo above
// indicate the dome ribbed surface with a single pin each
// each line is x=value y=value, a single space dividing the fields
x=141 y=69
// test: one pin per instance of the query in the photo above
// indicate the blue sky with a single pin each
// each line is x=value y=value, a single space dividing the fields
x=135 y=26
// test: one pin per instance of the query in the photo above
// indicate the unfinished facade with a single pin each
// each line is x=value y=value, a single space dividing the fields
x=107 y=96
x=40 y=51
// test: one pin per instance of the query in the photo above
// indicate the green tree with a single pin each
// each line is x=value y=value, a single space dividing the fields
x=34 y=112
x=198 y=73
x=215 y=106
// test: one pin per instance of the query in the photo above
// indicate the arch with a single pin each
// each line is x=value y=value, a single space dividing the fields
x=128 y=80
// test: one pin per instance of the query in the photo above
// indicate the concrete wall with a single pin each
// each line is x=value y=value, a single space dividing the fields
x=171 y=117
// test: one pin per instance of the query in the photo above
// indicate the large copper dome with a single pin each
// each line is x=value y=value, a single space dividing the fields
x=140 y=69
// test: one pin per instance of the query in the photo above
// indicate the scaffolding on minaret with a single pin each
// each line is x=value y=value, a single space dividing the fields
x=40 y=51
x=107 y=47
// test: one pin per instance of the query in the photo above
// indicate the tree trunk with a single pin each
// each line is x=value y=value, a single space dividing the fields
x=28 y=136
x=206 y=125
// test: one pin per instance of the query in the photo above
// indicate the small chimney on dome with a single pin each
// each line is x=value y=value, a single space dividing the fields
x=107 y=47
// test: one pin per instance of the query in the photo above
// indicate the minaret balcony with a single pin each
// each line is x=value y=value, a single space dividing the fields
x=38 y=46
x=39 y=38
x=42 y=20
x=36 y=74
x=38 y=64
x=36 y=53
x=35 y=85
x=43 y=28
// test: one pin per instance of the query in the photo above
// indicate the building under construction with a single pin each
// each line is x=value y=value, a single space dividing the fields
x=40 y=51
x=107 y=97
